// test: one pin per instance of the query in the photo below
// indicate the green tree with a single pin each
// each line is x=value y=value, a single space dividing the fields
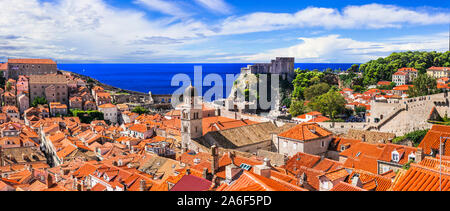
x=331 y=104
x=8 y=86
x=304 y=79
x=387 y=87
x=87 y=116
x=407 y=165
x=286 y=101
x=297 y=108
x=39 y=101
x=140 y=110
x=315 y=90
x=358 y=88
x=360 y=109
x=423 y=85
x=354 y=68
x=415 y=136
x=382 y=69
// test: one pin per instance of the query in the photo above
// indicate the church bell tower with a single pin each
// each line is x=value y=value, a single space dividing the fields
x=191 y=118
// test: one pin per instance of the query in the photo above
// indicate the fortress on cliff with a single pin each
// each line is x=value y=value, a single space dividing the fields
x=281 y=65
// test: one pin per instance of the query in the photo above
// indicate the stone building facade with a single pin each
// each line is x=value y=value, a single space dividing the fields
x=305 y=138
x=438 y=72
x=404 y=76
x=22 y=85
x=24 y=102
x=281 y=65
x=52 y=87
x=110 y=112
x=57 y=109
x=76 y=103
x=18 y=67
x=9 y=99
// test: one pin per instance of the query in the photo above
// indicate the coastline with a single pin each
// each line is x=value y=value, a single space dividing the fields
x=106 y=86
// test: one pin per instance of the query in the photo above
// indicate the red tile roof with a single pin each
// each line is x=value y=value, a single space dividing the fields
x=422 y=177
x=400 y=73
x=363 y=156
x=402 y=87
x=320 y=119
x=191 y=183
x=386 y=83
x=371 y=181
x=306 y=132
x=439 y=68
x=3 y=66
x=301 y=159
x=343 y=186
x=141 y=128
x=404 y=152
x=431 y=140
x=250 y=181
x=108 y=105
x=410 y=69
x=31 y=61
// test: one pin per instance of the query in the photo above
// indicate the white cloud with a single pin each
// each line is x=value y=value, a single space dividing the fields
x=92 y=30
x=334 y=48
x=163 y=6
x=87 y=30
x=372 y=16
x=215 y=5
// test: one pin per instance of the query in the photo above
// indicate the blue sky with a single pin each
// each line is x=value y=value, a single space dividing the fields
x=166 y=31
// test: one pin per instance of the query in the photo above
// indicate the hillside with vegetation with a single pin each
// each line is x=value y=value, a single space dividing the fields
x=315 y=90
x=382 y=69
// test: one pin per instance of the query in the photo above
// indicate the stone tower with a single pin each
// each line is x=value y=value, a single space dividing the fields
x=191 y=118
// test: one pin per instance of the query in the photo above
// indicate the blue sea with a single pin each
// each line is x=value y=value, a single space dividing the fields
x=157 y=77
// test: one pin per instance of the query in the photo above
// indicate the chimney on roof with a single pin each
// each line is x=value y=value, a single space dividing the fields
x=75 y=183
x=264 y=169
x=88 y=185
x=124 y=185
x=2 y=161
x=49 y=181
x=33 y=172
x=356 y=181
x=205 y=173
x=231 y=172
x=419 y=155
x=214 y=183
x=142 y=185
x=232 y=155
x=188 y=171
x=215 y=159
x=363 y=137
x=302 y=179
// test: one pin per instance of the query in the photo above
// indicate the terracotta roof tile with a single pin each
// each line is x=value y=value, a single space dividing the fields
x=343 y=186
x=305 y=132
x=31 y=61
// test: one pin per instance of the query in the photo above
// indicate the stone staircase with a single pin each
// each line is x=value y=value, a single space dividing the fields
x=399 y=108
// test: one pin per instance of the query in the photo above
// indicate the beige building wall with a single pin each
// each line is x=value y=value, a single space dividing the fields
x=52 y=87
x=438 y=74
x=15 y=69
x=109 y=114
x=290 y=147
